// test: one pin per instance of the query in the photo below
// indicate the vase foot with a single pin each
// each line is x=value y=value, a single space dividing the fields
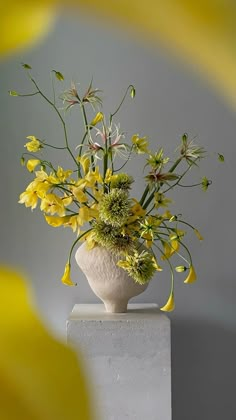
x=116 y=307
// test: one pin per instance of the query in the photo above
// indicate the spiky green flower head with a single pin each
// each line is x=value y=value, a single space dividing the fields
x=121 y=181
x=114 y=207
x=111 y=238
x=139 y=266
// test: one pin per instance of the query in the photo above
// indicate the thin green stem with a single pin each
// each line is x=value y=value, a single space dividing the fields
x=75 y=242
x=53 y=88
x=117 y=170
x=54 y=147
x=146 y=191
x=121 y=103
x=28 y=94
x=87 y=129
x=59 y=115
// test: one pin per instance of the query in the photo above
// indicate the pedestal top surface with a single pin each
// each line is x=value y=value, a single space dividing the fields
x=96 y=312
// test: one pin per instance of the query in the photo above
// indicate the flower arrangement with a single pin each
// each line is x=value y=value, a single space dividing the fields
x=93 y=197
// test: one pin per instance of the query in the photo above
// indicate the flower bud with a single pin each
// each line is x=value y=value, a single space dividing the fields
x=132 y=92
x=13 y=93
x=180 y=269
x=59 y=75
x=26 y=66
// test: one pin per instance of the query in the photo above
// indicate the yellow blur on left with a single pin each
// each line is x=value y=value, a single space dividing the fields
x=40 y=377
x=22 y=23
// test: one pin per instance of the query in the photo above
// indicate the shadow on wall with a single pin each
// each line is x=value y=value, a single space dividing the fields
x=203 y=371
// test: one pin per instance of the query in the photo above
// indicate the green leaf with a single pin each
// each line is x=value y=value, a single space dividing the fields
x=26 y=66
x=22 y=161
x=13 y=93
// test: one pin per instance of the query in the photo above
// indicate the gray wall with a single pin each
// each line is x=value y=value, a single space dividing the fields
x=170 y=101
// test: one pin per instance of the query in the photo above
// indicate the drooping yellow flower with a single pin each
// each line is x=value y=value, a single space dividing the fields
x=40 y=377
x=170 y=304
x=191 y=278
x=98 y=118
x=32 y=163
x=34 y=145
x=140 y=144
x=52 y=204
x=66 y=279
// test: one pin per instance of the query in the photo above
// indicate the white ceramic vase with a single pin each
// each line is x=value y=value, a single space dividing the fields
x=109 y=282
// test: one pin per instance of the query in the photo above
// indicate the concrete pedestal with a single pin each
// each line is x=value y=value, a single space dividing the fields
x=129 y=359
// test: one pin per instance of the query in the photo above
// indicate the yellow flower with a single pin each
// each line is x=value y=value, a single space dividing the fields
x=79 y=194
x=32 y=163
x=40 y=377
x=99 y=117
x=191 y=278
x=29 y=199
x=33 y=145
x=109 y=177
x=140 y=144
x=85 y=163
x=170 y=304
x=92 y=177
x=90 y=241
x=170 y=248
x=66 y=276
x=84 y=215
x=52 y=204
x=63 y=175
x=160 y=200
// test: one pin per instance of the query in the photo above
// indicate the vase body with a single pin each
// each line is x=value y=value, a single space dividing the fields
x=109 y=282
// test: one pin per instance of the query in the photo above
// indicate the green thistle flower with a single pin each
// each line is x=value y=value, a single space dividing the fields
x=115 y=208
x=110 y=237
x=139 y=266
x=121 y=181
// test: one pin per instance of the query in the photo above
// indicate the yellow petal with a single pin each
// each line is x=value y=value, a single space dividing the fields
x=40 y=377
x=191 y=278
x=31 y=164
x=170 y=304
x=66 y=276
x=85 y=163
x=56 y=221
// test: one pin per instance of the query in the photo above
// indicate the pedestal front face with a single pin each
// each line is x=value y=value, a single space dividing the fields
x=129 y=358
